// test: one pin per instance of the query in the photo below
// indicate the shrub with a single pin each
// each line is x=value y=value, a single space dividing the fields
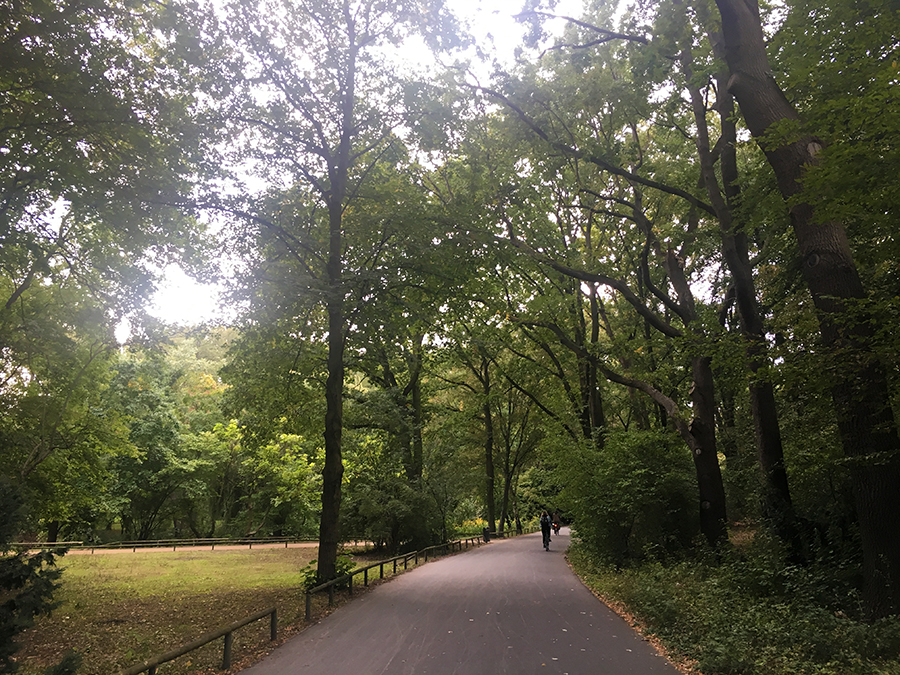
x=750 y=614
x=636 y=496
x=27 y=581
x=309 y=575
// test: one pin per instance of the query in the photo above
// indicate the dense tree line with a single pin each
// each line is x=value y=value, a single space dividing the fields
x=645 y=274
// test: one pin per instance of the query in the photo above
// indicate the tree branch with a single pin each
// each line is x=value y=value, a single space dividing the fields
x=594 y=159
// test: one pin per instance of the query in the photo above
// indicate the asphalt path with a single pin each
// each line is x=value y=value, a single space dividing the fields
x=507 y=607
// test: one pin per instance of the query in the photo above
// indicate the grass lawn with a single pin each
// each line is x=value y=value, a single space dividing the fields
x=118 y=609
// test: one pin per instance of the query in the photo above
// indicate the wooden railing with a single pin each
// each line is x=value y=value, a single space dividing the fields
x=347 y=579
x=150 y=664
x=212 y=542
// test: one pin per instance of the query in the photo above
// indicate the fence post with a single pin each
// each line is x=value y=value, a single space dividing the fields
x=331 y=594
x=350 y=582
x=366 y=577
x=226 y=656
x=381 y=571
x=395 y=566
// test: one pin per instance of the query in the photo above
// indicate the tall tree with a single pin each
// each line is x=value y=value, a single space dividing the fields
x=699 y=72
x=860 y=390
x=322 y=109
x=562 y=245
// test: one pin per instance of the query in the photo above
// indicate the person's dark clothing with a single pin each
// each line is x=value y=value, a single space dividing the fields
x=545 y=529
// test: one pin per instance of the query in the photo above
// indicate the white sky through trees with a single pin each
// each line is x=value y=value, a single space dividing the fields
x=184 y=301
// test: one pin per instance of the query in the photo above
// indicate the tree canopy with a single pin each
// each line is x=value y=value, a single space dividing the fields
x=644 y=273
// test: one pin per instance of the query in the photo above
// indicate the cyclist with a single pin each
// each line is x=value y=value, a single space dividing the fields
x=545 y=529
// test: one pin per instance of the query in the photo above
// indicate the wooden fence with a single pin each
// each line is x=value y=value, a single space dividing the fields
x=150 y=664
x=174 y=544
x=404 y=560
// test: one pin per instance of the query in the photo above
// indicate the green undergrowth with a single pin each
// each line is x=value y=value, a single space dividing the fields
x=749 y=614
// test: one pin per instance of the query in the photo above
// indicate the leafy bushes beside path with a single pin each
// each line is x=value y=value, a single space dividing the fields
x=635 y=496
x=750 y=614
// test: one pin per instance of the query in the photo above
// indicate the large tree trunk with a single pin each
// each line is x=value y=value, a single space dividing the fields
x=488 y=447
x=418 y=421
x=338 y=172
x=333 y=471
x=595 y=400
x=585 y=385
x=504 y=502
x=713 y=517
x=860 y=390
x=702 y=431
x=724 y=200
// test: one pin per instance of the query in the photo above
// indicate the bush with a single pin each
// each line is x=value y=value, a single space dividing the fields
x=750 y=614
x=309 y=576
x=391 y=512
x=27 y=581
x=636 y=496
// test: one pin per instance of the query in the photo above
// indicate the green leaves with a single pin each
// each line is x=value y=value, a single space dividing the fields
x=27 y=580
x=633 y=499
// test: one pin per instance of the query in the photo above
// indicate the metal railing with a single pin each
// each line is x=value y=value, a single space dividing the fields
x=150 y=664
x=496 y=534
x=404 y=560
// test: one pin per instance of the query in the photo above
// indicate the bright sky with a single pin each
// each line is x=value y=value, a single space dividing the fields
x=181 y=300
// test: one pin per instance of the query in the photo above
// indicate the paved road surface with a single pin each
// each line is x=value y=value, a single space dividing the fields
x=509 y=607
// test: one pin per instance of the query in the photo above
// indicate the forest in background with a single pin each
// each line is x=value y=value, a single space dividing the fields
x=645 y=274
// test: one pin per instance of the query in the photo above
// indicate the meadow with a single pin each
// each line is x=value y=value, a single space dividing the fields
x=119 y=608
